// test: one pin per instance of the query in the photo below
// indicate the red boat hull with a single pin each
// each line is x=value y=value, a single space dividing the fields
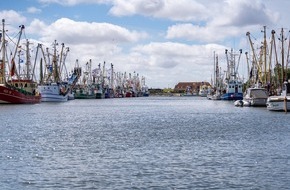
x=12 y=96
x=128 y=94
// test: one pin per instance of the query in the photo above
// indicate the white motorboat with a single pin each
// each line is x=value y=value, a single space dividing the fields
x=256 y=96
x=281 y=102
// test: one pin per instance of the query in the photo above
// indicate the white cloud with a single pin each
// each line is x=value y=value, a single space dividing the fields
x=37 y=27
x=181 y=10
x=244 y=13
x=74 y=32
x=205 y=34
x=97 y=41
x=33 y=10
x=233 y=20
x=174 y=62
x=73 y=2
x=12 y=16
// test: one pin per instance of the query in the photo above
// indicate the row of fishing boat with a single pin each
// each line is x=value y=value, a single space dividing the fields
x=106 y=83
x=267 y=86
x=18 y=83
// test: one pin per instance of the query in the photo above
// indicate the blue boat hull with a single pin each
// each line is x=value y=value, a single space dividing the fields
x=232 y=96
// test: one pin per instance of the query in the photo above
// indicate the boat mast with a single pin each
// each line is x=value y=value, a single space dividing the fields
x=63 y=66
x=282 y=56
x=277 y=65
x=28 y=63
x=112 y=76
x=44 y=74
x=265 y=55
x=99 y=74
x=15 y=52
x=49 y=65
x=270 y=58
x=104 y=75
x=288 y=54
x=255 y=65
x=228 y=66
x=90 y=72
x=216 y=72
x=19 y=61
x=237 y=67
x=231 y=65
x=214 y=67
x=2 y=63
x=248 y=66
x=54 y=63
x=34 y=65
x=41 y=72
x=60 y=59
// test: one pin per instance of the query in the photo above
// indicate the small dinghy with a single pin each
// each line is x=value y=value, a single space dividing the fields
x=241 y=103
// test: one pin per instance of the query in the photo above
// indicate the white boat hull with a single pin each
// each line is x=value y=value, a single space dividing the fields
x=52 y=93
x=53 y=98
x=278 y=103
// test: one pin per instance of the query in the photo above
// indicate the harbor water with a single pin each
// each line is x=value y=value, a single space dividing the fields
x=143 y=143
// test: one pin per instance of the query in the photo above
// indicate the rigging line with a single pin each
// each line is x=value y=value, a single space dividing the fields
x=14 y=43
x=19 y=47
x=253 y=36
x=24 y=34
x=13 y=38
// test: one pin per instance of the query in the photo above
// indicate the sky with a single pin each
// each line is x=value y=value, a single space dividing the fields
x=166 y=41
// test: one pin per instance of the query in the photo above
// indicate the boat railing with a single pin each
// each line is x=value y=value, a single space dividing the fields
x=23 y=91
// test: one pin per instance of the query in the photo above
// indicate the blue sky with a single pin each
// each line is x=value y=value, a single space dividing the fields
x=167 y=41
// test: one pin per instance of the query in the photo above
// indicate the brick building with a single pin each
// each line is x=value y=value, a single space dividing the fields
x=194 y=86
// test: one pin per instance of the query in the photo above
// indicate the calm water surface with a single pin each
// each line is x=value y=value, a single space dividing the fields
x=143 y=143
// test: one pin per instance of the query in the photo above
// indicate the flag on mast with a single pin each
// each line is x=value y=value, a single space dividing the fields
x=12 y=71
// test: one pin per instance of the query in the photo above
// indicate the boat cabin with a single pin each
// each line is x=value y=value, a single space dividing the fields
x=234 y=87
x=27 y=85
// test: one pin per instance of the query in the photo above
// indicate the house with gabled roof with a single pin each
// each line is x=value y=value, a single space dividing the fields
x=194 y=87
